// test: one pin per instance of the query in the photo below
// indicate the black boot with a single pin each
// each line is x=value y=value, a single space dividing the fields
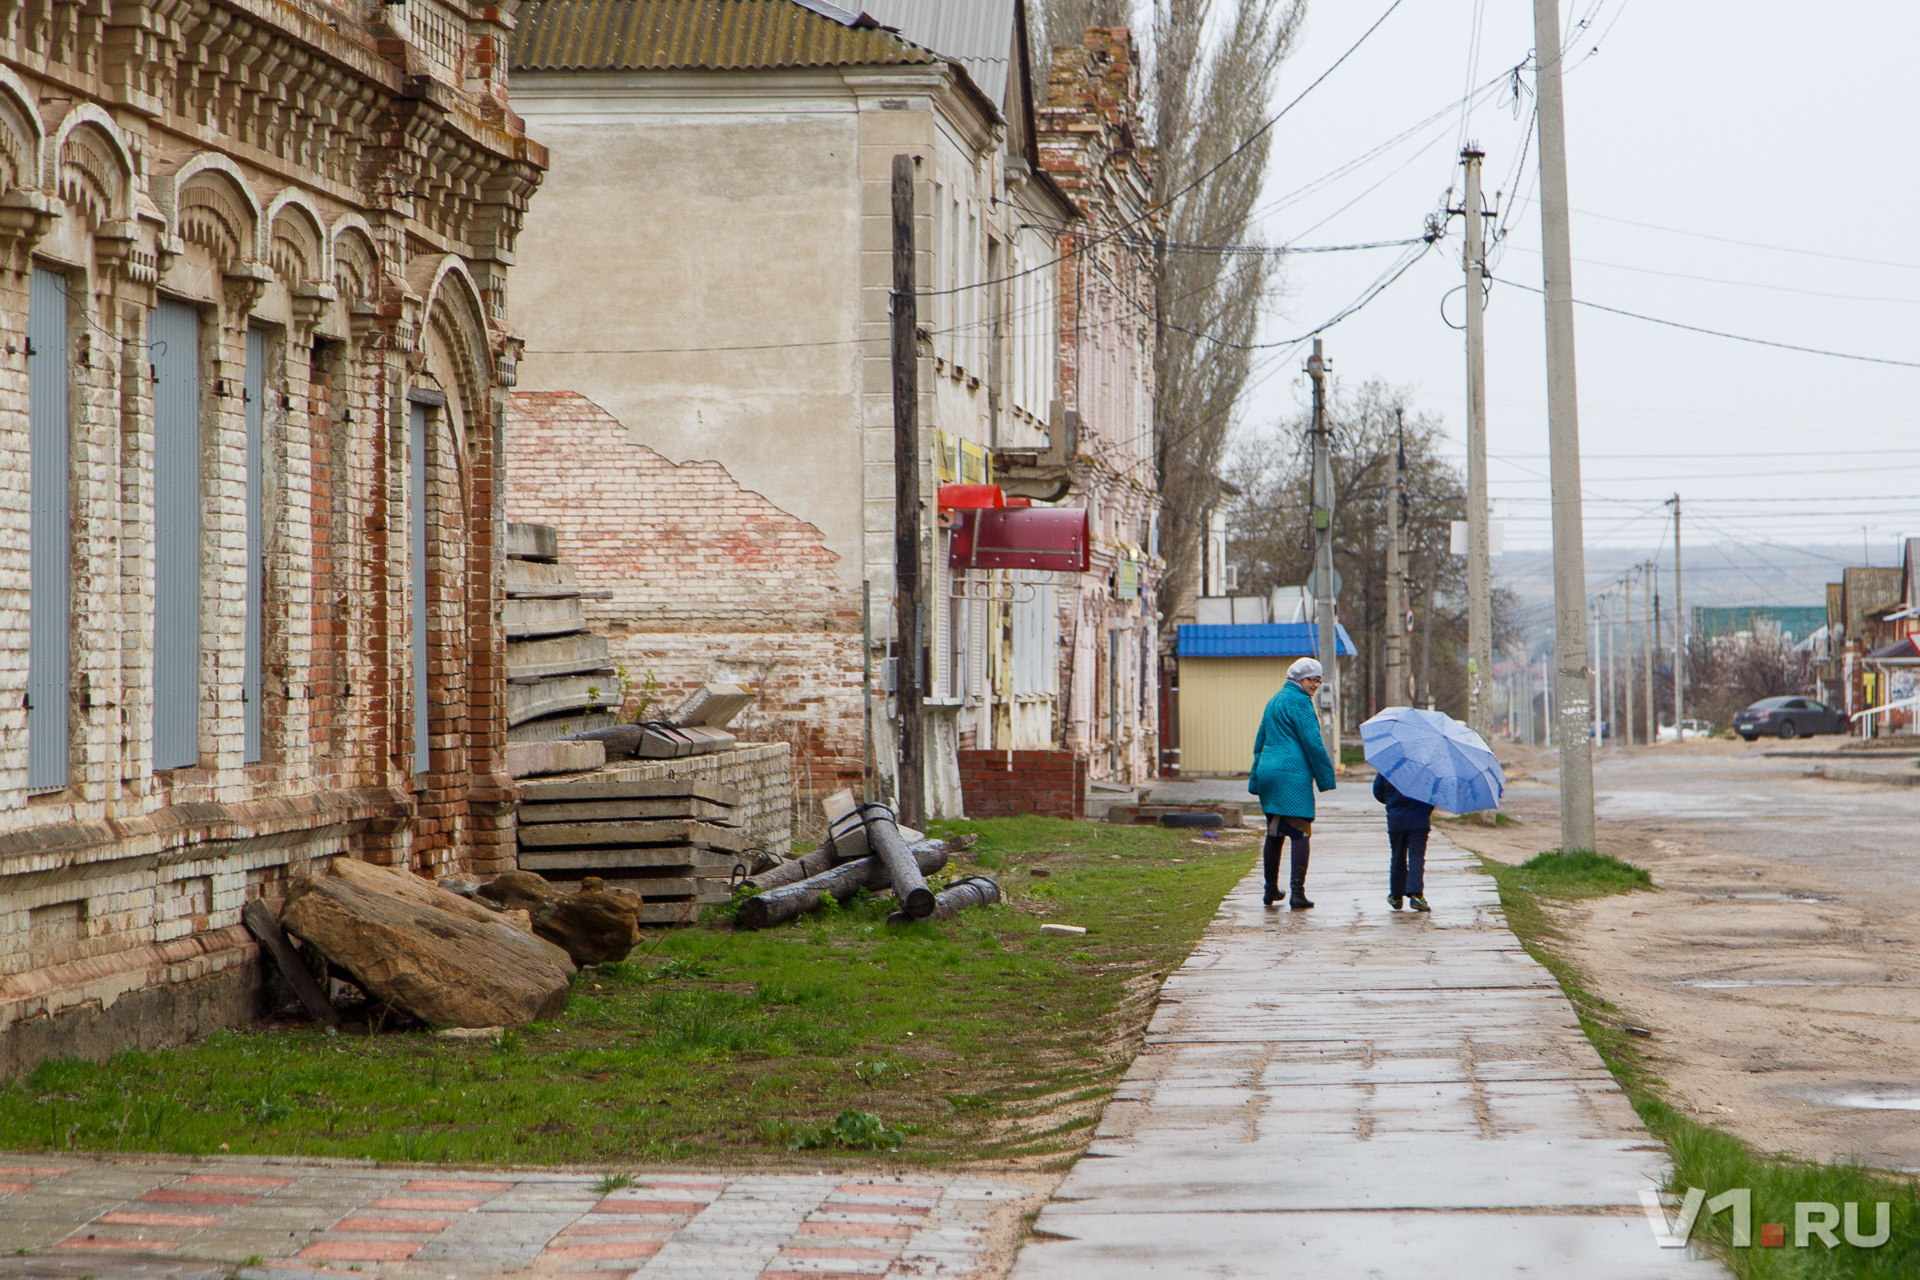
x=1297 y=870
x=1270 y=857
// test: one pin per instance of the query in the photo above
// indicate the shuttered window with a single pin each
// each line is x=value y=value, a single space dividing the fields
x=50 y=611
x=256 y=546
x=174 y=343
x=417 y=577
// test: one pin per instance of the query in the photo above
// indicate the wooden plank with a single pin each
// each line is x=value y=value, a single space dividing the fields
x=262 y=924
x=569 y=835
x=631 y=789
x=666 y=858
x=614 y=810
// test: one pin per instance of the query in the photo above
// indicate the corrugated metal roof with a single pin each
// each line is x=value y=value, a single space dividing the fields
x=713 y=35
x=1260 y=640
x=978 y=34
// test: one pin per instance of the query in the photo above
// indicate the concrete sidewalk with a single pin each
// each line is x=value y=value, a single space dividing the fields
x=1353 y=1092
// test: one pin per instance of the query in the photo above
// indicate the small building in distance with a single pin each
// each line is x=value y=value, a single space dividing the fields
x=1227 y=675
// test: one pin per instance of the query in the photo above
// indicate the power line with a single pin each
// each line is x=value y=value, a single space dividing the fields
x=1735 y=337
x=1743 y=284
x=1749 y=244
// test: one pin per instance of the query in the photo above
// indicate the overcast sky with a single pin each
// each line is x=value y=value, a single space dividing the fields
x=1776 y=124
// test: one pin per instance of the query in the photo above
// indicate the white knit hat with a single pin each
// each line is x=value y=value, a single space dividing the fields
x=1304 y=669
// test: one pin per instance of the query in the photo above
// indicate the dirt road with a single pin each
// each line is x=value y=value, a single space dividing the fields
x=1778 y=959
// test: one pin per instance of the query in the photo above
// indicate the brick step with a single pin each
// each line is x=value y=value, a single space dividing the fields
x=631 y=789
x=669 y=831
x=530 y=660
x=615 y=810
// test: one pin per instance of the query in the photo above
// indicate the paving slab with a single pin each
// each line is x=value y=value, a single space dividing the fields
x=1354 y=1091
x=183 y=1218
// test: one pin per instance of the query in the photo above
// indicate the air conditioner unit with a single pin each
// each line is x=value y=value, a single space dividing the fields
x=1233 y=577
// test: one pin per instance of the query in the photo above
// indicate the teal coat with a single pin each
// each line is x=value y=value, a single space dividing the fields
x=1287 y=754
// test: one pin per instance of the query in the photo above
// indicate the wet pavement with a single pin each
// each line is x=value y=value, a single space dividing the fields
x=1357 y=1092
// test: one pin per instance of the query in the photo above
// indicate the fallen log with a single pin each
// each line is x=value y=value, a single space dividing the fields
x=264 y=925
x=776 y=906
x=883 y=837
x=974 y=891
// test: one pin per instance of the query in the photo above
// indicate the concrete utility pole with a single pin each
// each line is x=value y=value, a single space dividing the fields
x=1679 y=632
x=1479 y=562
x=1563 y=429
x=1323 y=555
x=1626 y=644
x=1396 y=637
x=1593 y=684
x=1653 y=623
x=909 y=601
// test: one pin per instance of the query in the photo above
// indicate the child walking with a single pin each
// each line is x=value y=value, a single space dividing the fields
x=1408 y=822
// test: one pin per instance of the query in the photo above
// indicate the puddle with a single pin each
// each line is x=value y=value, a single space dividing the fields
x=1876 y=1101
x=1715 y=984
x=1778 y=897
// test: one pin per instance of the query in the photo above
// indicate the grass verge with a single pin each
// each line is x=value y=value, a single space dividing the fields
x=1705 y=1157
x=976 y=1039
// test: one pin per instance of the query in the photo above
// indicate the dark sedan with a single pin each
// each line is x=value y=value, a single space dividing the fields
x=1788 y=718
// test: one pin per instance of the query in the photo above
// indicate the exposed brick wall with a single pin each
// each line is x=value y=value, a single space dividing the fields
x=1004 y=784
x=710 y=581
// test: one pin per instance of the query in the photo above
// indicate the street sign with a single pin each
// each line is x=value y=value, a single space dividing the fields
x=1313 y=585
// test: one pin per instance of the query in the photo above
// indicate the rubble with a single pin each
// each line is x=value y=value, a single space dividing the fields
x=899 y=861
x=596 y=925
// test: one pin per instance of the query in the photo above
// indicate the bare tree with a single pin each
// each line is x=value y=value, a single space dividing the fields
x=1210 y=100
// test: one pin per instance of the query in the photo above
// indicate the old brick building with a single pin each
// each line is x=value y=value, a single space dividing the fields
x=251 y=402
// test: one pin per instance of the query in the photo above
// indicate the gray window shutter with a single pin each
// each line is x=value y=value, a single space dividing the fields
x=174 y=344
x=256 y=389
x=417 y=554
x=50 y=611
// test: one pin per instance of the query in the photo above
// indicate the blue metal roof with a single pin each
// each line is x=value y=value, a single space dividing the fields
x=1260 y=640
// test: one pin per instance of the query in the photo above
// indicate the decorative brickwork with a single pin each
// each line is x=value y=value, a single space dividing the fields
x=708 y=581
x=1006 y=784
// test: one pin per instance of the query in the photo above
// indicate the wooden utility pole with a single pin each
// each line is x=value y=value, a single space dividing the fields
x=1573 y=671
x=1479 y=559
x=909 y=598
x=1323 y=589
x=1396 y=637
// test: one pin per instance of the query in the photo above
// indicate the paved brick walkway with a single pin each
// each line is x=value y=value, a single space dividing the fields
x=148 y=1217
x=1354 y=1092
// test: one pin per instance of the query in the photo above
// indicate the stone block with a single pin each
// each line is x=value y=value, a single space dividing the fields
x=534 y=759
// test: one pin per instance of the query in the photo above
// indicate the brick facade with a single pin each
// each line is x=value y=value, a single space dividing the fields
x=707 y=580
x=1005 y=784
x=356 y=221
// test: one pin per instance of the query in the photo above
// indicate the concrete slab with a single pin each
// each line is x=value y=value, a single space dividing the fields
x=1353 y=1091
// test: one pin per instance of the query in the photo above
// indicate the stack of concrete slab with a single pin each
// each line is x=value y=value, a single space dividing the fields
x=559 y=681
x=674 y=841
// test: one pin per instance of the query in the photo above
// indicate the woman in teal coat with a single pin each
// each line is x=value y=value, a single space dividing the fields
x=1289 y=761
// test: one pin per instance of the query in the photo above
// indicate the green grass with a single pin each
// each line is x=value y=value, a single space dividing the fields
x=972 y=1039
x=1703 y=1156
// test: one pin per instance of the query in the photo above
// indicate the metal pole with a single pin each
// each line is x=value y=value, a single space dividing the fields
x=1680 y=630
x=1563 y=428
x=911 y=776
x=1396 y=637
x=1479 y=563
x=1323 y=556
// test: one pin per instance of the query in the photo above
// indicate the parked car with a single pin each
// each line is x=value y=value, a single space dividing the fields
x=1788 y=718
x=1693 y=728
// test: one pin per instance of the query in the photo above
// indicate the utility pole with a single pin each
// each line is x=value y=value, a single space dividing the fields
x=1396 y=647
x=1479 y=562
x=1653 y=623
x=1323 y=556
x=909 y=602
x=1679 y=631
x=1563 y=430
x=1626 y=595
x=1593 y=683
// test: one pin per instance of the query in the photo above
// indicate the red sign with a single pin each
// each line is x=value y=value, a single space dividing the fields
x=956 y=497
x=1053 y=538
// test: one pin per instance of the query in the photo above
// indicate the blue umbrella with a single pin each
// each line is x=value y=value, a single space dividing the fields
x=1434 y=758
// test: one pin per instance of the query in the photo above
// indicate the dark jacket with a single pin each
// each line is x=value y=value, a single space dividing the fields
x=1402 y=814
